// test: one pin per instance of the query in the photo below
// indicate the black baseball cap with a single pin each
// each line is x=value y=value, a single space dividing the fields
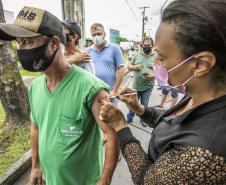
x=72 y=26
x=31 y=22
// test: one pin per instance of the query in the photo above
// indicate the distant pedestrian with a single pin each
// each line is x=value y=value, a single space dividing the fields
x=107 y=58
x=167 y=92
x=143 y=81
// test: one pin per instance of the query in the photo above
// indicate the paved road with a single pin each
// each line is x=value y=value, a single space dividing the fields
x=28 y=79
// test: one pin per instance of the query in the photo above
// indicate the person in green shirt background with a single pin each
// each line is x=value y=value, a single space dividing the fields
x=143 y=80
x=65 y=103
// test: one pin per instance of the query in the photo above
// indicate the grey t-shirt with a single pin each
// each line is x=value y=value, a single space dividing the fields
x=88 y=66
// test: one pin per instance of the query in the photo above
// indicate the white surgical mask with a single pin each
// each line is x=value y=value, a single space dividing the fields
x=98 y=40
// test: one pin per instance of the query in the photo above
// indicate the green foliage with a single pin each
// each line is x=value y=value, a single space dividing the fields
x=14 y=48
x=123 y=39
x=14 y=143
x=14 y=45
x=27 y=73
x=2 y=117
x=125 y=57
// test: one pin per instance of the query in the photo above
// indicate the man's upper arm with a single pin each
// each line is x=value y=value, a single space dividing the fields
x=96 y=106
x=118 y=57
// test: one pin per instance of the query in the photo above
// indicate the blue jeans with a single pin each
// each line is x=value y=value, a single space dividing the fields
x=166 y=90
x=144 y=97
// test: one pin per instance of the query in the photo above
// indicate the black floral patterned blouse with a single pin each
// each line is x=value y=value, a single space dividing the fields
x=186 y=149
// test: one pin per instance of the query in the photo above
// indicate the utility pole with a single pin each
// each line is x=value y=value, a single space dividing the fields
x=144 y=18
x=75 y=10
x=149 y=32
x=137 y=38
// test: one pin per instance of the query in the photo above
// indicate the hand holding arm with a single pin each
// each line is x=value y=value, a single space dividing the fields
x=149 y=76
x=133 y=67
x=131 y=101
x=78 y=58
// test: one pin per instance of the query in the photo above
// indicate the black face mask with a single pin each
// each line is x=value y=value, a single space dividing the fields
x=146 y=50
x=35 y=59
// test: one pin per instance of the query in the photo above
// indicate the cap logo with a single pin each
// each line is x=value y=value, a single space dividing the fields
x=26 y=15
x=30 y=18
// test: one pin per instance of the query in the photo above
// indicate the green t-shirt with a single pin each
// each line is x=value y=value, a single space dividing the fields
x=70 y=147
x=139 y=81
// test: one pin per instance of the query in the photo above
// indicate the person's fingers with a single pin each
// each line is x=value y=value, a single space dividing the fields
x=125 y=99
x=84 y=55
x=122 y=91
x=103 y=112
x=101 y=118
x=34 y=181
x=126 y=90
x=104 y=117
x=39 y=180
x=86 y=59
x=87 y=56
x=104 y=108
x=107 y=104
x=31 y=181
x=107 y=112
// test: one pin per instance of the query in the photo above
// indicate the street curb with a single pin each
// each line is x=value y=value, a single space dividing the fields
x=16 y=170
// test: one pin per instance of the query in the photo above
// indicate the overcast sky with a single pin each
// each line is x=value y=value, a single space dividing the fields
x=114 y=14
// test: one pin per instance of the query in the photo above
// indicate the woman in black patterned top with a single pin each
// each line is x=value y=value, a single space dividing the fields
x=188 y=143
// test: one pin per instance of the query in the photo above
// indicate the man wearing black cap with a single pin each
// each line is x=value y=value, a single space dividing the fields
x=73 y=54
x=65 y=104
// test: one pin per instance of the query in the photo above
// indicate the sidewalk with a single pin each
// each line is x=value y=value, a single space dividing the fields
x=28 y=79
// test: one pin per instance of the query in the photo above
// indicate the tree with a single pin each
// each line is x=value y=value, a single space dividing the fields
x=75 y=10
x=122 y=39
x=13 y=93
